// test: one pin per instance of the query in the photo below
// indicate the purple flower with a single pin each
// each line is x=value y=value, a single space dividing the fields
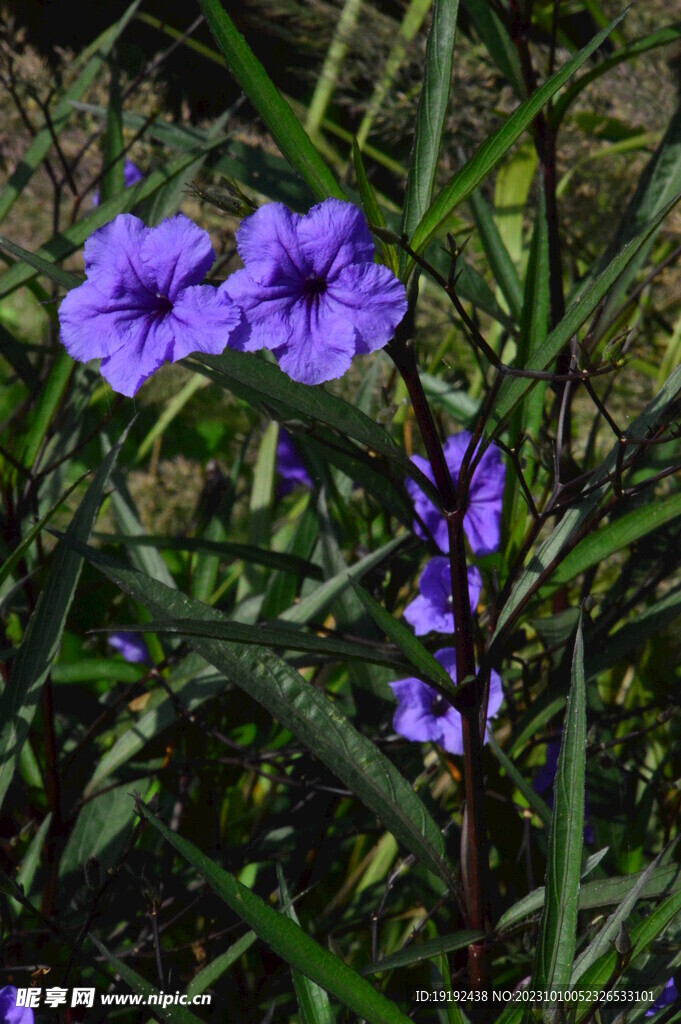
x=544 y=781
x=423 y=714
x=142 y=304
x=432 y=609
x=667 y=996
x=290 y=466
x=10 y=1013
x=131 y=174
x=310 y=290
x=132 y=646
x=482 y=521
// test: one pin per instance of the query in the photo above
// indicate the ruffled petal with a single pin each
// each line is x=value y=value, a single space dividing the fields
x=415 y=723
x=333 y=235
x=450 y=732
x=176 y=254
x=202 y=320
x=128 y=368
x=372 y=299
x=321 y=345
x=112 y=260
x=93 y=325
x=496 y=694
x=423 y=616
x=268 y=244
x=413 y=691
x=266 y=312
x=430 y=515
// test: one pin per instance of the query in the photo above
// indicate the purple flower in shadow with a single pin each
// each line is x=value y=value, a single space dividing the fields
x=290 y=466
x=143 y=304
x=132 y=646
x=482 y=522
x=423 y=714
x=432 y=609
x=668 y=995
x=310 y=290
x=10 y=1013
x=131 y=174
x=544 y=781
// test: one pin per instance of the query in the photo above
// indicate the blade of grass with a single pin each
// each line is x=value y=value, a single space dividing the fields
x=282 y=123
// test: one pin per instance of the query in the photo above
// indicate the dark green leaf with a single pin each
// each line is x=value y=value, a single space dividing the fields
x=309 y=714
x=282 y=123
x=558 y=926
x=286 y=938
x=467 y=179
x=41 y=641
x=430 y=115
x=265 y=385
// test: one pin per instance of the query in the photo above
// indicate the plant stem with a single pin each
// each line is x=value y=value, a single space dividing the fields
x=474 y=840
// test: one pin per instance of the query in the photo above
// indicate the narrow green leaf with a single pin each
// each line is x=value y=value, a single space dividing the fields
x=45 y=409
x=603 y=942
x=260 y=556
x=558 y=926
x=548 y=556
x=616 y=647
x=43 y=636
x=207 y=977
x=427 y=667
x=513 y=388
x=331 y=69
x=372 y=210
x=650 y=929
x=467 y=179
x=173 y=1014
x=113 y=181
x=266 y=386
x=427 y=950
x=271 y=634
x=31 y=862
x=260 y=506
x=313 y=1001
x=409 y=26
x=315 y=604
x=604 y=892
x=498 y=256
x=49 y=270
x=282 y=123
x=539 y=806
x=307 y=712
x=620 y=534
x=430 y=115
x=662 y=37
x=18 y=553
x=283 y=585
x=171 y=411
x=285 y=937
x=499 y=44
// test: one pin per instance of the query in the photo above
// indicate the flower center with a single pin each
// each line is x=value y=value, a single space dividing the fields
x=314 y=285
x=439 y=707
x=163 y=305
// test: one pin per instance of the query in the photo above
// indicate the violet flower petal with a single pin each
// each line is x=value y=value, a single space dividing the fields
x=310 y=291
x=432 y=609
x=372 y=299
x=10 y=1013
x=175 y=254
x=132 y=646
x=423 y=714
x=333 y=235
